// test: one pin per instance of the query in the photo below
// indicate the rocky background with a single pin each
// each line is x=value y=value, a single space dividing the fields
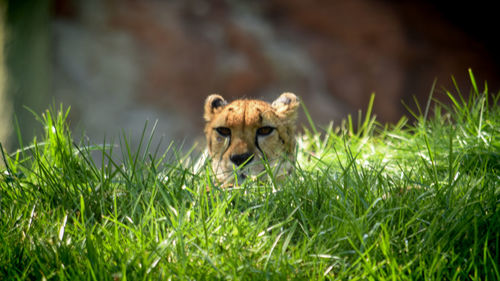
x=118 y=63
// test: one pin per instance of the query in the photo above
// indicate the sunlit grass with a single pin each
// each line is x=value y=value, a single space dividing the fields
x=402 y=202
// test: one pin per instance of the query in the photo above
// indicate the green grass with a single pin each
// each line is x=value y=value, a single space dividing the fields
x=397 y=202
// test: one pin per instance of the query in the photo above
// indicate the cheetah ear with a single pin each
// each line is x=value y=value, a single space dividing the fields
x=286 y=104
x=213 y=104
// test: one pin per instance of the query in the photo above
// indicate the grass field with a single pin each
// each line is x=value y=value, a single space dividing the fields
x=417 y=201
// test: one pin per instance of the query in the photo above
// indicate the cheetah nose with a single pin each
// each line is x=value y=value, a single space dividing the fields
x=239 y=159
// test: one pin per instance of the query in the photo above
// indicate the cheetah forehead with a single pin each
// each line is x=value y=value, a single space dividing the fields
x=246 y=113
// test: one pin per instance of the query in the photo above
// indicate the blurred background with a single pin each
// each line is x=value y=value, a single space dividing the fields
x=118 y=63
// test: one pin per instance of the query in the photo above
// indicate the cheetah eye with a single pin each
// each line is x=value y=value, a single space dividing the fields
x=223 y=131
x=264 y=131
